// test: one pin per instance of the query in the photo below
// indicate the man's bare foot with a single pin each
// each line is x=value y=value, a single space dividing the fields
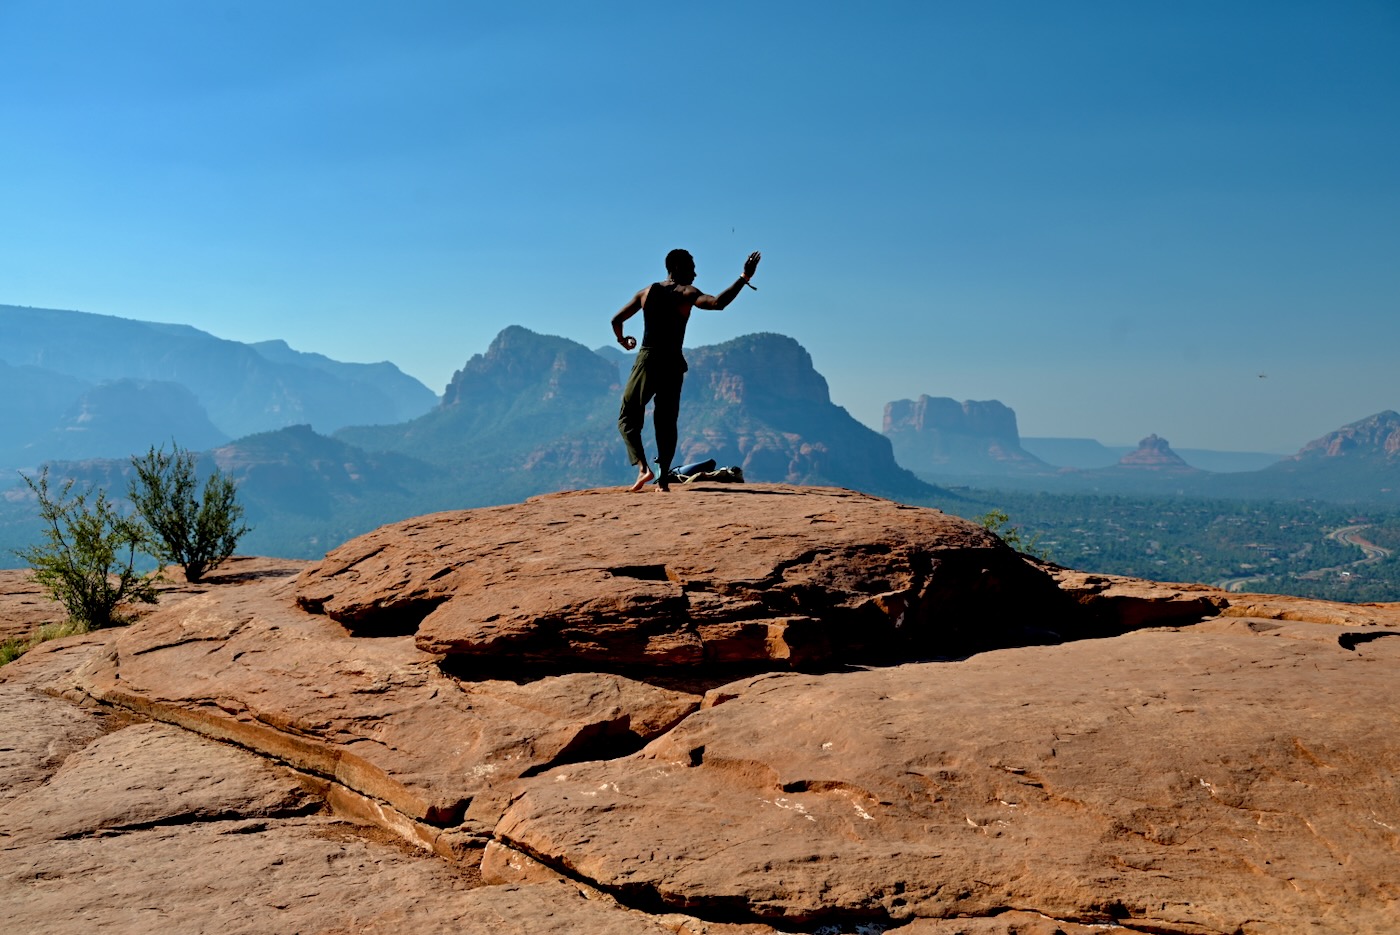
x=644 y=478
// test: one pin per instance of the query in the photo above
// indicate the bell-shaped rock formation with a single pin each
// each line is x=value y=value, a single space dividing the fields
x=1154 y=454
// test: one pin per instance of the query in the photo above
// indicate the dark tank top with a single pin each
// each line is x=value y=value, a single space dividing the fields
x=664 y=315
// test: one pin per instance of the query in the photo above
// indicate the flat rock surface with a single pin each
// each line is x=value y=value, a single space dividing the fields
x=1140 y=602
x=376 y=714
x=36 y=736
x=1174 y=781
x=150 y=774
x=24 y=605
x=760 y=573
x=150 y=828
x=552 y=679
x=1285 y=607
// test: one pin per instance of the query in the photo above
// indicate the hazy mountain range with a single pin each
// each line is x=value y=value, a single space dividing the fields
x=976 y=443
x=76 y=385
x=532 y=414
x=941 y=436
x=323 y=450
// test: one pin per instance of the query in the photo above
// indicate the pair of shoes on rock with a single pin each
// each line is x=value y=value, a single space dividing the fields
x=687 y=472
x=725 y=475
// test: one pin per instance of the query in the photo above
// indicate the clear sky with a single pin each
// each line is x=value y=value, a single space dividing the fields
x=1116 y=217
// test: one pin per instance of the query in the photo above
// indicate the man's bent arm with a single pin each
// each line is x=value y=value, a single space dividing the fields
x=624 y=313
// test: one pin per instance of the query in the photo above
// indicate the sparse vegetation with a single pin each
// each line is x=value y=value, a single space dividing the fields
x=998 y=522
x=87 y=559
x=197 y=534
x=12 y=649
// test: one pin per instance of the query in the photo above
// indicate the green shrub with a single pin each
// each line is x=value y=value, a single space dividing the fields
x=88 y=557
x=998 y=523
x=196 y=534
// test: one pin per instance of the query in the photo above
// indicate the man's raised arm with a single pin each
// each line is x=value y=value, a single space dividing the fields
x=717 y=302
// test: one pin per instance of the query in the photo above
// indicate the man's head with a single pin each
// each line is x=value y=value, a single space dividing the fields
x=681 y=266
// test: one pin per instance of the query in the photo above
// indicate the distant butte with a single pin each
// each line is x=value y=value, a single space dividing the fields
x=1154 y=454
x=941 y=435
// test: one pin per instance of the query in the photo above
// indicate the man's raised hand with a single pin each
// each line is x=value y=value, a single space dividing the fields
x=751 y=264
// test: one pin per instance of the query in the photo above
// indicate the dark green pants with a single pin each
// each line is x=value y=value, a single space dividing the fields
x=659 y=377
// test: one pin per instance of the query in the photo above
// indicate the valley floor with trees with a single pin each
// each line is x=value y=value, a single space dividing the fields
x=1306 y=548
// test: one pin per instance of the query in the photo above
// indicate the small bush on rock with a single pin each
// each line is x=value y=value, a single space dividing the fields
x=998 y=523
x=87 y=561
x=196 y=534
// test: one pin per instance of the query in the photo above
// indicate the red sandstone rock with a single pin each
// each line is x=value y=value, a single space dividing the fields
x=1236 y=774
x=24 y=605
x=150 y=774
x=1011 y=922
x=764 y=574
x=1154 y=454
x=1122 y=603
x=152 y=829
x=377 y=715
x=1376 y=436
x=1284 y=607
x=36 y=736
x=1176 y=781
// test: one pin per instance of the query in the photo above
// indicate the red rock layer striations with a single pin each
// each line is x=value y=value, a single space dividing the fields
x=761 y=574
x=236 y=762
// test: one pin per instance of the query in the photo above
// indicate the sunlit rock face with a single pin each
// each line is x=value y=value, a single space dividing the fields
x=1377 y=436
x=725 y=710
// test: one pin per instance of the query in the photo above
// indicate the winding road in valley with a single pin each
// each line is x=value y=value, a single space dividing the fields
x=1351 y=535
x=1347 y=535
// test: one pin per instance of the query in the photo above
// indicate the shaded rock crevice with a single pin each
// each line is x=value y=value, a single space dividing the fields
x=239 y=822
x=1353 y=640
x=641 y=572
x=598 y=741
x=187 y=641
x=403 y=619
x=720 y=910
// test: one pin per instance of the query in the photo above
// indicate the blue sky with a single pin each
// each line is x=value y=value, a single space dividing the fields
x=1112 y=216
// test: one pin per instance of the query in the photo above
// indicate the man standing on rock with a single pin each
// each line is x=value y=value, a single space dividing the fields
x=660 y=368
